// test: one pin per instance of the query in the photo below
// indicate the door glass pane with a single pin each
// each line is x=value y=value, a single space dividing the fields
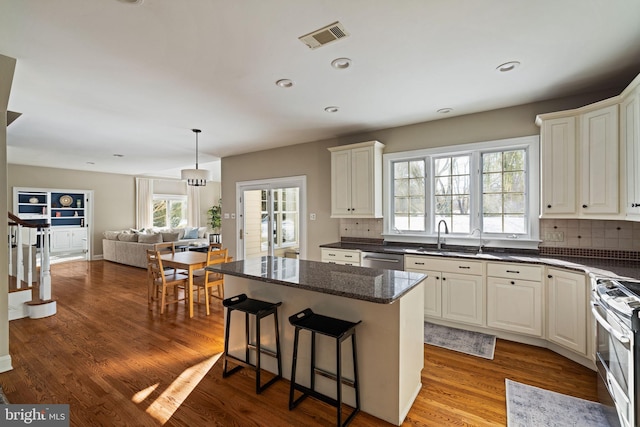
x=272 y=222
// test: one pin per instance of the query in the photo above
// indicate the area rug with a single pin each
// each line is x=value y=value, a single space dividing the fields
x=468 y=342
x=532 y=406
x=3 y=398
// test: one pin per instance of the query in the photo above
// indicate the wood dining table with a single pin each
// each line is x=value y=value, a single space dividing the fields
x=190 y=261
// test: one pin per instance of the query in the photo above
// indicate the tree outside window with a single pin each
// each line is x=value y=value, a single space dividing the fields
x=169 y=211
x=503 y=192
x=452 y=188
x=409 y=195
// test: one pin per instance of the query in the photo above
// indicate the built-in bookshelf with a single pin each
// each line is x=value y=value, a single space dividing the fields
x=66 y=211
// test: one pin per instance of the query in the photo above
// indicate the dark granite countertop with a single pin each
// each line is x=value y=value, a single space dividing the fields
x=595 y=266
x=368 y=284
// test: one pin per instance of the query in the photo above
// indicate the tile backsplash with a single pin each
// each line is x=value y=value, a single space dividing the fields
x=590 y=234
x=370 y=228
x=554 y=233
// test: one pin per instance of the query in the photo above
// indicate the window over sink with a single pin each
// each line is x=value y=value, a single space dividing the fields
x=490 y=186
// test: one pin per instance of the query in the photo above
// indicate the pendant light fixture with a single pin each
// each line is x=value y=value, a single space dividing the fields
x=196 y=177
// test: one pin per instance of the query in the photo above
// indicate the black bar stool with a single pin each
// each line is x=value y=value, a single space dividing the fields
x=334 y=328
x=259 y=309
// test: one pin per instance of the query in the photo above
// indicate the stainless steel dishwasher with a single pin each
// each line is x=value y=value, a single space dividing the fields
x=385 y=261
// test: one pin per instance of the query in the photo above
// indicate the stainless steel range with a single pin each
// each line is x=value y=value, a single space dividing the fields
x=616 y=307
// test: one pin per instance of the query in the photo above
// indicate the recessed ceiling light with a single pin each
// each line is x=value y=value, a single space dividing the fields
x=91 y=163
x=444 y=110
x=341 y=63
x=131 y=1
x=284 y=83
x=118 y=155
x=508 y=66
x=332 y=109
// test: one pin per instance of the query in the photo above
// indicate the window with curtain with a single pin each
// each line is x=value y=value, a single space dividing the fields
x=169 y=210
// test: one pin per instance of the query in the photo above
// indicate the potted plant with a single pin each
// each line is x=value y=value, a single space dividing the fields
x=215 y=221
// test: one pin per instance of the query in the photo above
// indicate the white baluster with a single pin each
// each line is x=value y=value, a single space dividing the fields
x=19 y=258
x=45 y=273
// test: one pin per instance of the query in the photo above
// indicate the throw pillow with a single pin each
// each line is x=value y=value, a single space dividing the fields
x=170 y=237
x=111 y=235
x=128 y=237
x=150 y=238
x=190 y=233
x=201 y=232
x=180 y=232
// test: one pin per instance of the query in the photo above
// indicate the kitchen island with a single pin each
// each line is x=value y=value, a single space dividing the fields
x=390 y=339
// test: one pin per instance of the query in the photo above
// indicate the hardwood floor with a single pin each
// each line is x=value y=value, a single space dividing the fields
x=118 y=364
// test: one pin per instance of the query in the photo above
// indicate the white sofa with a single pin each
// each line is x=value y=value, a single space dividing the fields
x=130 y=246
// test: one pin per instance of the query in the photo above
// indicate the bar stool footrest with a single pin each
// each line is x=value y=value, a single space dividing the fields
x=306 y=392
x=243 y=364
x=334 y=377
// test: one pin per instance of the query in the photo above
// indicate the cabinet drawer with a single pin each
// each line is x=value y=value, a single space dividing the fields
x=449 y=265
x=514 y=271
x=342 y=255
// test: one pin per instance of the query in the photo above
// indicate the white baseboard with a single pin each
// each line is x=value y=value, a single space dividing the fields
x=5 y=363
x=17 y=306
x=42 y=310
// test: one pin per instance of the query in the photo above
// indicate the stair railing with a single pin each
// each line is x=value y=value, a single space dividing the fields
x=32 y=238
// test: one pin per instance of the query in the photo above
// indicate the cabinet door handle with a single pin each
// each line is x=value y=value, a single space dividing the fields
x=548 y=206
x=549 y=276
x=348 y=256
x=513 y=271
x=332 y=254
x=512 y=282
x=419 y=263
x=464 y=267
x=635 y=205
x=584 y=206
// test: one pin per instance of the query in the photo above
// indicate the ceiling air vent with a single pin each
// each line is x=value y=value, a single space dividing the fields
x=325 y=35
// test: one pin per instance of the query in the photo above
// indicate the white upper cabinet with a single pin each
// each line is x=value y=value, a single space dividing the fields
x=580 y=164
x=630 y=137
x=558 y=177
x=356 y=180
x=599 y=169
x=590 y=159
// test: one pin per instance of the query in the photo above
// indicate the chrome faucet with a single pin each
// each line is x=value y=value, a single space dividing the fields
x=480 y=241
x=446 y=231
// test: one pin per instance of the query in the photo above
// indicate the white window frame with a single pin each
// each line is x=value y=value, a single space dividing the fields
x=169 y=197
x=529 y=240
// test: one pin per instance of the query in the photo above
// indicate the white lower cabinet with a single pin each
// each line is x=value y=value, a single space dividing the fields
x=341 y=256
x=68 y=239
x=514 y=298
x=450 y=294
x=531 y=300
x=567 y=309
x=462 y=298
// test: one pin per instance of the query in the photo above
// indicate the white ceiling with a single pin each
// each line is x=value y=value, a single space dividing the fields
x=96 y=78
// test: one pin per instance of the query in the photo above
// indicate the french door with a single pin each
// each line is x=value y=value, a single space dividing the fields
x=272 y=220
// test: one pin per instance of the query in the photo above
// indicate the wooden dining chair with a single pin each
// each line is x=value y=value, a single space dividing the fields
x=212 y=247
x=169 y=248
x=161 y=282
x=211 y=279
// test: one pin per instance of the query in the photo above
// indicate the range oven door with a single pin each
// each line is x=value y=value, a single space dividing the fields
x=614 y=360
